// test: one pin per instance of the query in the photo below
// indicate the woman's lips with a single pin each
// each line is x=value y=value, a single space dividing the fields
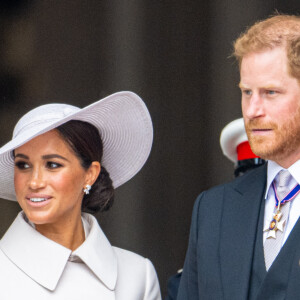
x=38 y=200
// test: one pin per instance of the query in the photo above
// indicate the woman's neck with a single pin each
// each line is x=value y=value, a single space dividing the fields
x=68 y=233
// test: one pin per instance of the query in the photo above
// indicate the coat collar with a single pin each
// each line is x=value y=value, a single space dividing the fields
x=97 y=253
x=242 y=203
x=44 y=261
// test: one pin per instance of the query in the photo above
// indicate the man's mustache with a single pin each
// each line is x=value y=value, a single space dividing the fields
x=258 y=125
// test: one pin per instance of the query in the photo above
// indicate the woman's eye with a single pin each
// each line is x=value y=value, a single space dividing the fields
x=22 y=165
x=53 y=165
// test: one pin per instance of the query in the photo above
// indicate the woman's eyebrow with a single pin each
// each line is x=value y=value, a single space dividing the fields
x=49 y=156
x=21 y=155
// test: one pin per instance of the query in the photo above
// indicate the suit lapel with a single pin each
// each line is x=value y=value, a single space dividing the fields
x=242 y=202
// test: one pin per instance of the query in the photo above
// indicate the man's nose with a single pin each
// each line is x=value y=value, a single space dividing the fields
x=253 y=107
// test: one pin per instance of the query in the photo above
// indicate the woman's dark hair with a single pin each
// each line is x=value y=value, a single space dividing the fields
x=85 y=140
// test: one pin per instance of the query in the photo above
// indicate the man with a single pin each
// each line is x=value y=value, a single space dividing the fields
x=244 y=240
x=235 y=146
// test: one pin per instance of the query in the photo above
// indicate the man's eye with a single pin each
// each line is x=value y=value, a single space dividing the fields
x=271 y=92
x=53 y=165
x=247 y=92
x=22 y=165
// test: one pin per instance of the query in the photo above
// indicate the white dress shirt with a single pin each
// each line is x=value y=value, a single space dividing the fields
x=35 y=267
x=273 y=170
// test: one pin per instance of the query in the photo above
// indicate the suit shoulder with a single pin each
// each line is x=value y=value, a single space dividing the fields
x=252 y=179
x=251 y=176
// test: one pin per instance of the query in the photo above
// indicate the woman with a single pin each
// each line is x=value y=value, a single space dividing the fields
x=61 y=163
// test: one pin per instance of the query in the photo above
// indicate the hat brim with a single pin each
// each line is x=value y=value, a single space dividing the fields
x=126 y=130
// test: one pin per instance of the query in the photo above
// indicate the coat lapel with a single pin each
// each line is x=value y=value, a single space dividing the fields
x=242 y=202
x=104 y=266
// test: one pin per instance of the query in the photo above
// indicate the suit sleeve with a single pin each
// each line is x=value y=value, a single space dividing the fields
x=152 y=290
x=172 y=286
x=188 y=288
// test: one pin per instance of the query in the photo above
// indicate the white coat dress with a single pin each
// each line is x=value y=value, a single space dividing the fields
x=36 y=268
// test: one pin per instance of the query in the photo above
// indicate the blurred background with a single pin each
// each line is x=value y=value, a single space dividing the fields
x=176 y=56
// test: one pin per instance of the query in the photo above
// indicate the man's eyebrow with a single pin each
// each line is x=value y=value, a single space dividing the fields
x=270 y=87
x=240 y=85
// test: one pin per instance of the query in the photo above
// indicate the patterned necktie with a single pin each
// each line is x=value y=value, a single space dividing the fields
x=273 y=245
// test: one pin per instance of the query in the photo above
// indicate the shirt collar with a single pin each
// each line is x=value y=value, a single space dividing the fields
x=44 y=261
x=295 y=171
x=274 y=169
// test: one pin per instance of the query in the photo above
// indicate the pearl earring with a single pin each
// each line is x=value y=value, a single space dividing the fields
x=87 y=189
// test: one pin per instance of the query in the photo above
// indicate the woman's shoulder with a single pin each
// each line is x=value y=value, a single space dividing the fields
x=138 y=272
x=123 y=253
x=130 y=259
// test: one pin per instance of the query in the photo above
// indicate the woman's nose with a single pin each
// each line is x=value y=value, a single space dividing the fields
x=37 y=180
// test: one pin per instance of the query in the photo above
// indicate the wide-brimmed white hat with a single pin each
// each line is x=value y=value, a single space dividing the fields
x=122 y=119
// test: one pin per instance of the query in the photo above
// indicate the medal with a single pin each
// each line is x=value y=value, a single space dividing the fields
x=275 y=223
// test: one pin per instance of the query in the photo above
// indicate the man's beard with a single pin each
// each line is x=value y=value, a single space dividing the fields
x=282 y=142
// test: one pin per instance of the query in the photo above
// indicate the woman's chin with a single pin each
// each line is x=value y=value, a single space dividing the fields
x=39 y=218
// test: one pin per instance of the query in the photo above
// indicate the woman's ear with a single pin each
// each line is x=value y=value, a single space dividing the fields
x=93 y=172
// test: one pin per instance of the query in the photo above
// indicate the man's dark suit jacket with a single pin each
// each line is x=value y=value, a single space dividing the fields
x=172 y=287
x=219 y=259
